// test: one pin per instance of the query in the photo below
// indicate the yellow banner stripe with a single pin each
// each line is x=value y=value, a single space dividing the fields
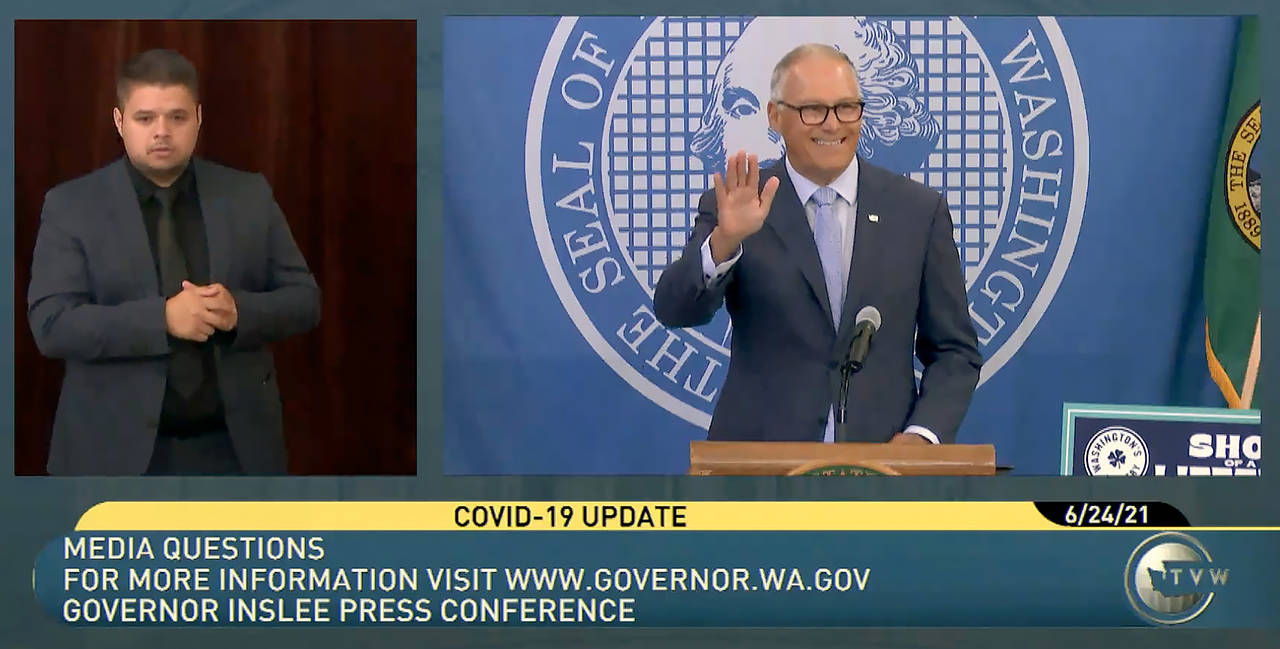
x=582 y=516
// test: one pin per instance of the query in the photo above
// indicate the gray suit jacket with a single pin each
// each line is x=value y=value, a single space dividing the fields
x=783 y=372
x=95 y=301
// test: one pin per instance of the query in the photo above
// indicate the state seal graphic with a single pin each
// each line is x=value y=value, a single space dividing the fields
x=631 y=116
x=1242 y=184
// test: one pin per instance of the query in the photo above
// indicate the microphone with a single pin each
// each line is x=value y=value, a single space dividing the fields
x=867 y=324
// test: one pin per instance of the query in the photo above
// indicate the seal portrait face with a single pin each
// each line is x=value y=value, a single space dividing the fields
x=630 y=117
x=896 y=123
x=1254 y=190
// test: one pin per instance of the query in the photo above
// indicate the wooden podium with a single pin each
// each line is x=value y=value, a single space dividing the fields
x=853 y=458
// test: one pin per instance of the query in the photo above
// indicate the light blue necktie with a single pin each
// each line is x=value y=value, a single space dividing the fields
x=828 y=235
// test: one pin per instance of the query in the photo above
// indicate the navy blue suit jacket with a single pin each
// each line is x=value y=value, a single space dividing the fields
x=783 y=373
x=95 y=301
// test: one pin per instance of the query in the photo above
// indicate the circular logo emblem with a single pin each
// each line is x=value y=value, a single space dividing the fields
x=630 y=117
x=1169 y=578
x=1116 y=450
x=1243 y=182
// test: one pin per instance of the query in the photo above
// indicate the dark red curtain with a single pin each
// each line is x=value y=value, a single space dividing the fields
x=326 y=110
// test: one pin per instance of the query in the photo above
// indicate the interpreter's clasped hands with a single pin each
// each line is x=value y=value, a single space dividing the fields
x=197 y=311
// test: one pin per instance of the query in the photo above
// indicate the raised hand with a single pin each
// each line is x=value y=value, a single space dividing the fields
x=741 y=204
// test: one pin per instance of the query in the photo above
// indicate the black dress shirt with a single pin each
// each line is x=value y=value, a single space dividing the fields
x=203 y=411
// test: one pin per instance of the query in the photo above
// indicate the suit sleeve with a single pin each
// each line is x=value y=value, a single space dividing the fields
x=290 y=304
x=682 y=297
x=945 y=341
x=64 y=320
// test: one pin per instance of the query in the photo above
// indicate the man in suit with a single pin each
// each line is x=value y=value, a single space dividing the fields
x=797 y=250
x=160 y=279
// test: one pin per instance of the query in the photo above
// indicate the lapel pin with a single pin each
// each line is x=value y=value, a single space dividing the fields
x=874 y=218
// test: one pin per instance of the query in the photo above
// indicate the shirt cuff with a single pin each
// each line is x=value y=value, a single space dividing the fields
x=923 y=432
x=712 y=273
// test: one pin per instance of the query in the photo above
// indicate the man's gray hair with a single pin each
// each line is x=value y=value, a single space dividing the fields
x=784 y=66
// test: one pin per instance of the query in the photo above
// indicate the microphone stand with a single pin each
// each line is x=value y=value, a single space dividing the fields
x=847 y=369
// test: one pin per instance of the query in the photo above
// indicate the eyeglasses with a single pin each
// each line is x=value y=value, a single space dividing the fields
x=815 y=114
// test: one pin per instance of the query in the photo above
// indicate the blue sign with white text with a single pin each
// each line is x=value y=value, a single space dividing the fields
x=1107 y=440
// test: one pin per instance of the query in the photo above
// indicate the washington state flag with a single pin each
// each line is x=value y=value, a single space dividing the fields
x=1232 y=280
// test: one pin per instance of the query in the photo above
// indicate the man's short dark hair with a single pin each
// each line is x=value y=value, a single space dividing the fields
x=156 y=67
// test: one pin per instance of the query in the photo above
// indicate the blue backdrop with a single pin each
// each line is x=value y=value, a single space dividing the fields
x=1076 y=155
